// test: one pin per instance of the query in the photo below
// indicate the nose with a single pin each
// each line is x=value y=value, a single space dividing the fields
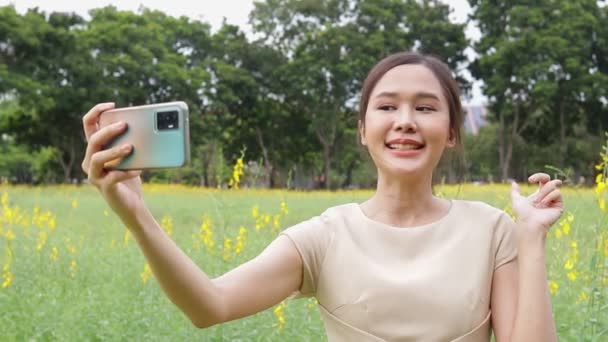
x=405 y=120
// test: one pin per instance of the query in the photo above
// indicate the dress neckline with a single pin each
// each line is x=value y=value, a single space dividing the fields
x=416 y=228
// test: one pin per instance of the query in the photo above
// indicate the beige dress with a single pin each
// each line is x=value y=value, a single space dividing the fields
x=376 y=282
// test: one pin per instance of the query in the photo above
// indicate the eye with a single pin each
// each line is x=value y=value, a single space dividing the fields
x=387 y=107
x=425 y=108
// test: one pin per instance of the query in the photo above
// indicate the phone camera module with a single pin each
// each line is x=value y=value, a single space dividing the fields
x=167 y=120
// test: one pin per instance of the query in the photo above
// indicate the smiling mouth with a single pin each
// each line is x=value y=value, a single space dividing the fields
x=404 y=147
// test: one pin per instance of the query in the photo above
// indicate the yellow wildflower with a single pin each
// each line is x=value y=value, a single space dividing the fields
x=572 y=275
x=284 y=209
x=558 y=233
x=167 y=224
x=553 y=287
x=10 y=235
x=237 y=172
x=582 y=297
x=73 y=268
x=207 y=234
x=227 y=248
x=74 y=203
x=146 y=273
x=42 y=236
x=255 y=211
x=278 y=312
x=54 y=254
x=6 y=275
x=240 y=240
x=126 y=238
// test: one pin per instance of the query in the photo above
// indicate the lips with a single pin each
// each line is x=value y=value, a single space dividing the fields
x=404 y=144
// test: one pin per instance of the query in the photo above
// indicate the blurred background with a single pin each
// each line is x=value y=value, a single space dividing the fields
x=276 y=83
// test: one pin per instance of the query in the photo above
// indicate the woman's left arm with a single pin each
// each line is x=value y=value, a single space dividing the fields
x=529 y=318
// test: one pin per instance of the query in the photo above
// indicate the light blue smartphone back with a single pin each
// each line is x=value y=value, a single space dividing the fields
x=159 y=133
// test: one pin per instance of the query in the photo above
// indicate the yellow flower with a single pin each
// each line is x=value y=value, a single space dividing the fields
x=126 y=238
x=54 y=254
x=42 y=236
x=572 y=275
x=553 y=287
x=284 y=208
x=240 y=240
x=582 y=297
x=237 y=172
x=146 y=273
x=278 y=312
x=73 y=268
x=10 y=235
x=312 y=303
x=167 y=224
x=602 y=204
x=74 y=203
x=7 y=276
x=227 y=248
x=558 y=233
x=255 y=211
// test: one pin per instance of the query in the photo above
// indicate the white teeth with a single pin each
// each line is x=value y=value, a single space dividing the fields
x=403 y=146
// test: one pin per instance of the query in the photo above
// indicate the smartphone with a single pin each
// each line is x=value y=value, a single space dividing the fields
x=159 y=133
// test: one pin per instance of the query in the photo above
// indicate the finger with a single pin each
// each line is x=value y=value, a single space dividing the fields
x=99 y=139
x=514 y=191
x=539 y=177
x=546 y=189
x=552 y=197
x=90 y=119
x=99 y=160
x=120 y=176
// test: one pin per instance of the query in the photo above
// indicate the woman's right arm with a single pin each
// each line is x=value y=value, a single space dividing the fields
x=252 y=287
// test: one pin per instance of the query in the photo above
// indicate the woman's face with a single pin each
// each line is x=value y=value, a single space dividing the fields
x=407 y=122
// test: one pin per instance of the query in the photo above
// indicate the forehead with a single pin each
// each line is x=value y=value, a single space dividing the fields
x=407 y=80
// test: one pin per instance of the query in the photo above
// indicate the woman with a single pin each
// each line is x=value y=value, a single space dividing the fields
x=404 y=265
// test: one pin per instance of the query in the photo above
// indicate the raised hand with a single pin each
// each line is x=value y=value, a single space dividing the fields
x=121 y=189
x=541 y=209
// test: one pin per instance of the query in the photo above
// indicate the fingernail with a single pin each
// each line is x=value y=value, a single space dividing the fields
x=126 y=148
x=120 y=124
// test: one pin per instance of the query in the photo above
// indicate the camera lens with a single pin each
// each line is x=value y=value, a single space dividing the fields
x=167 y=120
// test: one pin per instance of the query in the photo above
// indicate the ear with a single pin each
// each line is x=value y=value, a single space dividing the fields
x=362 y=132
x=451 y=139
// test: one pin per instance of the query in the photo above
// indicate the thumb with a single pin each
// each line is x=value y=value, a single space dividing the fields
x=514 y=191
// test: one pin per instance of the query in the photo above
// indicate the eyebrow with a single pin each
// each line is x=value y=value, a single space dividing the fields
x=418 y=95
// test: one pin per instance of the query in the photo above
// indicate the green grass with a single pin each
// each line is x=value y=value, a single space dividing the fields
x=104 y=297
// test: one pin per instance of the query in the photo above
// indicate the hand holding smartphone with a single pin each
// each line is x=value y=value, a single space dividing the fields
x=159 y=134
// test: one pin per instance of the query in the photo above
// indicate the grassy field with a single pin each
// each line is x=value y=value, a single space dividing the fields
x=70 y=271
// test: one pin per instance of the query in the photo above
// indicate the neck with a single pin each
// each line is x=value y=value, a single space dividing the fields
x=404 y=202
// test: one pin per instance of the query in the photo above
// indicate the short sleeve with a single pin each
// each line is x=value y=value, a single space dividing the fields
x=311 y=238
x=505 y=241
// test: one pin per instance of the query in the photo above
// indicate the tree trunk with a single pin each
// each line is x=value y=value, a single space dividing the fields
x=349 y=174
x=268 y=167
x=504 y=165
x=67 y=165
x=563 y=147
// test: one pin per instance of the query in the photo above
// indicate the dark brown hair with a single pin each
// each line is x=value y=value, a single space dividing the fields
x=439 y=69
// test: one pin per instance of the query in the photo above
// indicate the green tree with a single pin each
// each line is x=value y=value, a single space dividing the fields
x=331 y=45
x=536 y=61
